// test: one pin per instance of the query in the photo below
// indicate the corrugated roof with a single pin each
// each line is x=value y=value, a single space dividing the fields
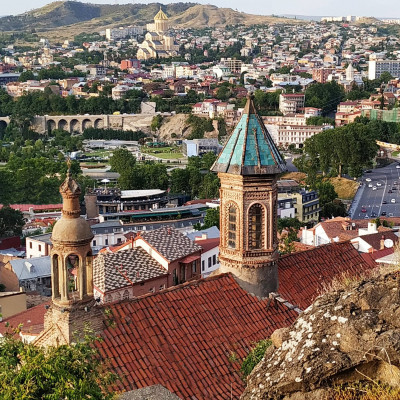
x=250 y=149
x=31 y=268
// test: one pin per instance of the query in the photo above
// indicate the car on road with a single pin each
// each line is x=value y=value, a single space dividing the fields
x=393 y=201
x=384 y=202
x=395 y=183
x=394 y=188
x=390 y=191
x=368 y=171
x=374 y=188
x=378 y=184
x=370 y=185
x=368 y=179
x=398 y=166
x=383 y=213
x=363 y=210
x=373 y=214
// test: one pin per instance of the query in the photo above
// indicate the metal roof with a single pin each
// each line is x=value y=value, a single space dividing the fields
x=250 y=149
x=31 y=268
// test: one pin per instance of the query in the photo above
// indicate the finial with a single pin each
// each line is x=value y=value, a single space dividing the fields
x=69 y=167
x=250 y=96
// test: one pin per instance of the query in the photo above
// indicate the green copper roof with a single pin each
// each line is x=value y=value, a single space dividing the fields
x=250 y=149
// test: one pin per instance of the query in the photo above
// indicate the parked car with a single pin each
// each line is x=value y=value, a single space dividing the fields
x=384 y=202
x=383 y=213
x=390 y=191
x=393 y=201
x=374 y=188
x=363 y=210
x=370 y=185
x=378 y=184
x=373 y=214
x=398 y=166
x=368 y=179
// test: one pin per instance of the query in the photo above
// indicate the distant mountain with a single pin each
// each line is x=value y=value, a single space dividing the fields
x=76 y=17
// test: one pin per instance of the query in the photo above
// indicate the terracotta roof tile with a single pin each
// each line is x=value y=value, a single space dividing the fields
x=301 y=275
x=184 y=331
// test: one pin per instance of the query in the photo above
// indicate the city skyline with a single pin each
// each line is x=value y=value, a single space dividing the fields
x=307 y=7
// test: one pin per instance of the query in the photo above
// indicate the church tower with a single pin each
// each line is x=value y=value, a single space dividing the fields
x=73 y=304
x=248 y=168
x=161 y=22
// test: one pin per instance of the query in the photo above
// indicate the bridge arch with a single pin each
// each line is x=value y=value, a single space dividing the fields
x=99 y=123
x=63 y=125
x=86 y=123
x=51 y=125
x=75 y=126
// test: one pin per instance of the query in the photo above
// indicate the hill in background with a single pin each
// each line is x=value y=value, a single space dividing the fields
x=68 y=18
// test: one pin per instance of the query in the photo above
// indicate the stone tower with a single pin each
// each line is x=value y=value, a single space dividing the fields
x=161 y=22
x=350 y=73
x=73 y=304
x=248 y=167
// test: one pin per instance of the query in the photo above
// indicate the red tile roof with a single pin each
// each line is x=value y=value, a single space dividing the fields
x=183 y=337
x=32 y=321
x=207 y=244
x=302 y=275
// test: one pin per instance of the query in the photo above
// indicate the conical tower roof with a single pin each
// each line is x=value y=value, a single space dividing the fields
x=160 y=16
x=250 y=149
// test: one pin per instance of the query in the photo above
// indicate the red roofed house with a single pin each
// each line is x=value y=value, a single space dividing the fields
x=184 y=337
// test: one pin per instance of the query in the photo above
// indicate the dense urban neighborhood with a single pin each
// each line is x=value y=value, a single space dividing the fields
x=192 y=197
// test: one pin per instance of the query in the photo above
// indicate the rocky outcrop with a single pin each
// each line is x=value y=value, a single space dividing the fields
x=345 y=336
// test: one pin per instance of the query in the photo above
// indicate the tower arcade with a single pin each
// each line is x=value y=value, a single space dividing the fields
x=248 y=167
x=73 y=304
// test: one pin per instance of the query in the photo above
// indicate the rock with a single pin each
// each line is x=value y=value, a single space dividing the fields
x=279 y=336
x=345 y=336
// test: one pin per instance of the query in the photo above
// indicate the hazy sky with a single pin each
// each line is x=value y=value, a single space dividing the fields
x=382 y=8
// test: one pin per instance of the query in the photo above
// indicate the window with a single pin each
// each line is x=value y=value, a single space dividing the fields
x=106 y=242
x=203 y=265
x=209 y=262
x=231 y=227
x=152 y=290
x=255 y=226
x=162 y=287
x=214 y=259
x=30 y=245
x=174 y=277
x=94 y=243
x=194 y=267
x=40 y=247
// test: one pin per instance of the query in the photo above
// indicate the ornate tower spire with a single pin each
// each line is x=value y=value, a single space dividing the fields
x=248 y=167
x=71 y=270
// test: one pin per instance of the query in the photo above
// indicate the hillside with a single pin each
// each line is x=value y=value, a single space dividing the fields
x=64 y=19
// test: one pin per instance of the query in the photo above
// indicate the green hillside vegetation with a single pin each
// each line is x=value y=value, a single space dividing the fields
x=65 y=19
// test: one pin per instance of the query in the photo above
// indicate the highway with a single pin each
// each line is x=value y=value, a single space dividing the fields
x=373 y=203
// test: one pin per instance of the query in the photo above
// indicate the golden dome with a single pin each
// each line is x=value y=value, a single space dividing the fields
x=71 y=230
x=160 y=16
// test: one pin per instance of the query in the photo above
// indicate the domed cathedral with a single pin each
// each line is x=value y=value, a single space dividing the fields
x=248 y=168
x=157 y=42
x=73 y=304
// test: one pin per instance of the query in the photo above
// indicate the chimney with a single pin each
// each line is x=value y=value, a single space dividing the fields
x=382 y=242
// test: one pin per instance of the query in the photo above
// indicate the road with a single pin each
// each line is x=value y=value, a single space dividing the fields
x=373 y=200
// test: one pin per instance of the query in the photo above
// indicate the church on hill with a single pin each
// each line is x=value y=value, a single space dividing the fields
x=157 y=42
x=183 y=337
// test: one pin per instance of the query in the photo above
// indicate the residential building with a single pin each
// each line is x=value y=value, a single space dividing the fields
x=126 y=274
x=38 y=246
x=34 y=275
x=377 y=67
x=209 y=255
x=307 y=206
x=291 y=103
x=124 y=32
x=11 y=303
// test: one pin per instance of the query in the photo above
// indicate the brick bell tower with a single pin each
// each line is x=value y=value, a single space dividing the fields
x=248 y=168
x=73 y=305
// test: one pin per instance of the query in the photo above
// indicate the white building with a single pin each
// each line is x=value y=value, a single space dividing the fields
x=209 y=255
x=377 y=67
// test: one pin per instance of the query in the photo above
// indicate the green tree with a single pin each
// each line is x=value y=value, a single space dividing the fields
x=122 y=160
x=65 y=372
x=326 y=192
x=11 y=222
x=211 y=219
x=254 y=357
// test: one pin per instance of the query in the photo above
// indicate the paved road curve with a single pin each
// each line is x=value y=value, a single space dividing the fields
x=372 y=201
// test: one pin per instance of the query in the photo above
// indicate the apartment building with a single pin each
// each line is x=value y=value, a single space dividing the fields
x=291 y=103
x=377 y=67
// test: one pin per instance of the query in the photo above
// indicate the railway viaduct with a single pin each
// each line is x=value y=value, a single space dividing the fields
x=78 y=123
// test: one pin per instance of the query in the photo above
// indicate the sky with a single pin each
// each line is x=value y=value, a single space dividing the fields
x=382 y=8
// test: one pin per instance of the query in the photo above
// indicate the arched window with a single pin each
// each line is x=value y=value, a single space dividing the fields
x=232 y=227
x=256 y=226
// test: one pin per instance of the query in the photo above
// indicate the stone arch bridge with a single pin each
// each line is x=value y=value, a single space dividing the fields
x=78 y=123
